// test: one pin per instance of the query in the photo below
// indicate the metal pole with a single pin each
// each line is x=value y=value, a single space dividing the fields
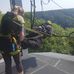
x=31 y=14
x=34 y=13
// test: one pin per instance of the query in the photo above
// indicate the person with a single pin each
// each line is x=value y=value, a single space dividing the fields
x=48 y=28
x=11 y=40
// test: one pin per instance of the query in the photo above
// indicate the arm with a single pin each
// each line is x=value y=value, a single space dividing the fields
x=21 y=34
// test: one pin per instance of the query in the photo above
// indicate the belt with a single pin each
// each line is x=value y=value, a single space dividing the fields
x=5 y=35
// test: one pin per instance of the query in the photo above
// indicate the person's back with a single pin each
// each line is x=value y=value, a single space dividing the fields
x=10 y=32
x=6 y=23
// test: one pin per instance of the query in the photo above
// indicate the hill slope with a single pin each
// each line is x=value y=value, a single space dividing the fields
x=64 y=17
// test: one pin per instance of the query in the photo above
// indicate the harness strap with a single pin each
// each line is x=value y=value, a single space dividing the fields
x=5 y=35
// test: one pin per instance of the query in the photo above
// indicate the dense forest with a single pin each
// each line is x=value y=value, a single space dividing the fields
x=62 y=24
x=64 y=17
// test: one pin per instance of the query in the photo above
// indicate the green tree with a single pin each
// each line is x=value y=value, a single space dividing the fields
x=70 y=32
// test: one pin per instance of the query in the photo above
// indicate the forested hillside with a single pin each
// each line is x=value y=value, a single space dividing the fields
x=64 y=17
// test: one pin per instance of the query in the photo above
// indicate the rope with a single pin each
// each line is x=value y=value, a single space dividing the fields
x=56 y=4
x=45 y=3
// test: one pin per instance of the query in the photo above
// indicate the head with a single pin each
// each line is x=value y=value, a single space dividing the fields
x=17 y=10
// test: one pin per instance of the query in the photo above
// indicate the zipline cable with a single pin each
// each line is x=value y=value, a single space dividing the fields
x=46 y=3
x=57 y=4
x=68 y=16
x=65 y=14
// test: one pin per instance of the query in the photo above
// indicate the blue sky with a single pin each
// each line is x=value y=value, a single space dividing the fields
x=5 y=5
